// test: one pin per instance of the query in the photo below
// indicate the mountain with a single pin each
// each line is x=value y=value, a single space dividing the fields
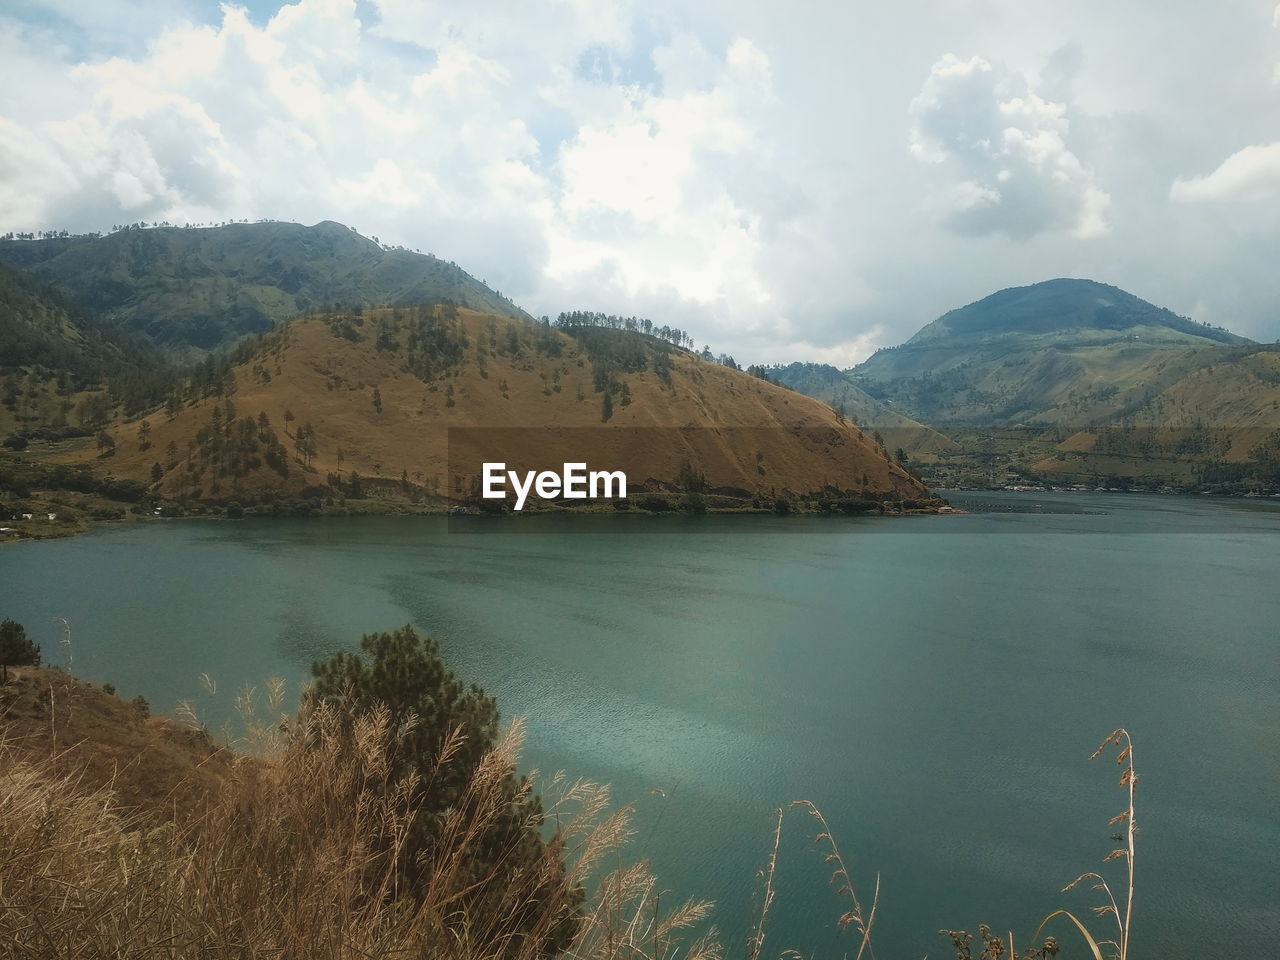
x=837 y=390
x=1081 y=380
x=1062 y=352
x=192 y=290
x=353 y=403
x=1078 y=311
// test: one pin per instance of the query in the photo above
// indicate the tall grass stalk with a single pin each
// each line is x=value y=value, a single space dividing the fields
x=296 y=855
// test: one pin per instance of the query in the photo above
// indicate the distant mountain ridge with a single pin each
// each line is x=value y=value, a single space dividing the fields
x=190 y=290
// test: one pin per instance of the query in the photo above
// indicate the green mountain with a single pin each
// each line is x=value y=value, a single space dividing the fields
x=1080 y=311
x=1079 y=381
x=1059 y=352
x=193 y=290
x=837 y=390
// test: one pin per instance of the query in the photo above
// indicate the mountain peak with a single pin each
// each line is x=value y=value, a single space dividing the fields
x=1063 y=306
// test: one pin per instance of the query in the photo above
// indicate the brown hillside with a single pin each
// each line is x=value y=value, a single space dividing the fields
x=1225 y=412
x=153 y=766
x=439 y=368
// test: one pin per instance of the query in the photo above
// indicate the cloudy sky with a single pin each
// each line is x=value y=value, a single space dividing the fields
x=788 y=181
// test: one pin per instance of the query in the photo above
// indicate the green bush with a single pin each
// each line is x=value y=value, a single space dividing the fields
x=692 y=502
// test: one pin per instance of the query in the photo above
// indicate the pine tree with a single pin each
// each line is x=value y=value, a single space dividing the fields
x=403 y=673
x=16 y=649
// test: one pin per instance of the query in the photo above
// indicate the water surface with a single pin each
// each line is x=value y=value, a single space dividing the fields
x=934 y=684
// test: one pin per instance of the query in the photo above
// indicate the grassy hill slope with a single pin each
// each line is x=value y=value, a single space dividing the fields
x=341 y=401
x=1218 y=423
x=189 y=290
x=87 y=734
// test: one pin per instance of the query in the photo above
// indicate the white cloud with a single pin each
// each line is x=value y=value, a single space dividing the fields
x=1249 y=174
x=720 y=166
x=1007 y=146
x=304 y=117
x=644 y=191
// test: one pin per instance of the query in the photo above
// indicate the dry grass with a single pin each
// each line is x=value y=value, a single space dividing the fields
x=327 y=380
x=295 y=854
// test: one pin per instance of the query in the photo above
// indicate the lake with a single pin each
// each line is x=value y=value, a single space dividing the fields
x=934 y=684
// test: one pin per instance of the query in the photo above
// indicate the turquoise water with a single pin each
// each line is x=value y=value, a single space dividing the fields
x=934 y=684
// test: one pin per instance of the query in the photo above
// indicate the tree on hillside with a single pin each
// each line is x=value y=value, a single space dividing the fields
x=377 y=400
x=16 y=648
x=304 y=440
x=448 y=728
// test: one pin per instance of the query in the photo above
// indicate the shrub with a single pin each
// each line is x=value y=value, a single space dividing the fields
x=654 y=503
x=692 y=502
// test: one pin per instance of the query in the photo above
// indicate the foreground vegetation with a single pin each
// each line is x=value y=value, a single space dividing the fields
x=385 y=819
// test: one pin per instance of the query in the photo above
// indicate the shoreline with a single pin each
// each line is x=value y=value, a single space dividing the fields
x=27 y=531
